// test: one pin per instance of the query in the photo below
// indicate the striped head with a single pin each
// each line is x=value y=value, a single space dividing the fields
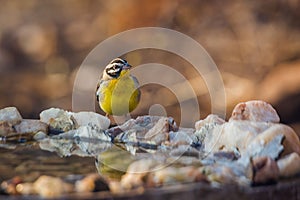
x=114 y=68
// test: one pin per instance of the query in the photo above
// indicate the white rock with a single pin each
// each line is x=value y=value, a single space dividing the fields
x=89 y=132
x=51 y=113
x=257 y=110
x=31 y=126
x=11 y=115
x=58 y=119
x=210 y=119
x=91 y=118
x=81 y=118
x=243 y=133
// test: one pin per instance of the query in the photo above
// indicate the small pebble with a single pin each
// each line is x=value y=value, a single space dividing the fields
x=51 y=187
x=39 y=136
x=91 y=183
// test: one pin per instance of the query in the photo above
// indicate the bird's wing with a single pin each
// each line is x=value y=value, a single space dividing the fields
x=98 y=90
x=136 y=85
x=136 y=82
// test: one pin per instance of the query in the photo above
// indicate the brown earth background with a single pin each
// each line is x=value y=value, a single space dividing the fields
x=255 y=44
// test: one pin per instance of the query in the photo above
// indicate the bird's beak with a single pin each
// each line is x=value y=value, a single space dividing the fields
x=127 y=66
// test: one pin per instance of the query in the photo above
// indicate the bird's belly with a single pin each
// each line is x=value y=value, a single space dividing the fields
x=119 y=97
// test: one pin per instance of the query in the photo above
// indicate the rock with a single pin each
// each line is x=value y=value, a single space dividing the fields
x=241 y=133
x=39 y=136
x=62 y=146
x=91 y=183
x=226 y=155
x=10 y=115
x=51 y=187
x=31 y=126
x=175 y=175
x=92 y=140
x=210 y=119
x=85 y=141
x=58 y=120
x=183 y=136
x=92 y=133
x=289 y=165
x=206 y=126
x=268 y=148
x=136 y=173
x=6 y=129
x=227 y=173
x=159 y=132
x=145 y=129
x=24 y=131
x=184 y=150
x=126 y=137
x=9 y=186
x=62 y=121
x=91 y=118
x=9 y=134
x=25 y=188
x=51 y=113
x=265 y=170
x=258 y=111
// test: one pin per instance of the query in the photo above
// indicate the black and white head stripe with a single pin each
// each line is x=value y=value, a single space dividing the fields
x=119 y=61
x=115 y=67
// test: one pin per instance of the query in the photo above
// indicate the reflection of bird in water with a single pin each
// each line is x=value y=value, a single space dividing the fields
x=117 y=90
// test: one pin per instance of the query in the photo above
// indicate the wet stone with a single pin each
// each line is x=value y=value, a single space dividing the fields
x=9 y=134
x=91 y=140
x=31 y=126
x=92 y=132
x=185 y=150
x=145 y=129
x=84 y=141
x=40 y=136
x=60 y=145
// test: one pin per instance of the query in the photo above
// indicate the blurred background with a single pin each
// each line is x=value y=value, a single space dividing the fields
x=255 y=44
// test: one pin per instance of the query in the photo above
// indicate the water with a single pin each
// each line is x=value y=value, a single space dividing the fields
x=29 y=162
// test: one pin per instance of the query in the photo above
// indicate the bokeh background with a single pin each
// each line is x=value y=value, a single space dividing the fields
x=255 y=44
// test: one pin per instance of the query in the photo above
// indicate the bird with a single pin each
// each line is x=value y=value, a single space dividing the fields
x=117 y=90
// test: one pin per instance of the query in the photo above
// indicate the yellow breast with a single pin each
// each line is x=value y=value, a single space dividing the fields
x=119 y=96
